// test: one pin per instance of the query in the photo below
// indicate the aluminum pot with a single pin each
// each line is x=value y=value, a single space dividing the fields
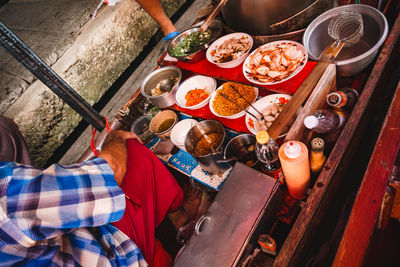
x=168 y=98
x=351 y=60
x=261 y=17
x=208 y=162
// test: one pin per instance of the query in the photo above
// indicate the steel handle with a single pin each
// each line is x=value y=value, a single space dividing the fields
x=204 y=218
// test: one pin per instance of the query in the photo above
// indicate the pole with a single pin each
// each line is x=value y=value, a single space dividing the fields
x=21 y=52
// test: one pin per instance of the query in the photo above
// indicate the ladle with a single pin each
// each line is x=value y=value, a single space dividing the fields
x=212 y=16
x=167 y=84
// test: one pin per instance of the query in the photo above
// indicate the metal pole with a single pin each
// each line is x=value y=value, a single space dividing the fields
x=21 y=52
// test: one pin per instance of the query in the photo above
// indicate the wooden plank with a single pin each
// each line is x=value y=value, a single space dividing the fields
x=131 y=86
x=297 y=100
x=329 y=179
x=366 y=207
x=316 y=100
x=370 y=195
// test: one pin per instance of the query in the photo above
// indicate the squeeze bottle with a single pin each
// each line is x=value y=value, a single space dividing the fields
x=296 y=167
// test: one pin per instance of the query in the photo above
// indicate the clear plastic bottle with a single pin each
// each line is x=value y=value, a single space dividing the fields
x=267 y=153
x=344 y=98
x=325 y=120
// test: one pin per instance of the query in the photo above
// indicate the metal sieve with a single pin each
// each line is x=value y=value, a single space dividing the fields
x=346 y=27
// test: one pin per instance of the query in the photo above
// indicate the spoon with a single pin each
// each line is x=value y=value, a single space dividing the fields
x=167 y=84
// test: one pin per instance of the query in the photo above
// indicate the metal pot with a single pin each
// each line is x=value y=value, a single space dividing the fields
x=351 y=60
x=261 y=17
x=208 y=162
x=238 y=149
x=168 y=98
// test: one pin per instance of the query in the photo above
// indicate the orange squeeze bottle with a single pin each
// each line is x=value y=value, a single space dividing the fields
x=296 y=167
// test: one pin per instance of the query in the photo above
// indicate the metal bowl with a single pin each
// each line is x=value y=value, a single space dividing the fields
x=168 y=98
x=216 y=29
x=242 y=147
x=209 y=162
x=351 y=60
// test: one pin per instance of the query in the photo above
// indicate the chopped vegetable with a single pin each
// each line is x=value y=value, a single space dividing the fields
x=196 y=96
x=190 y=43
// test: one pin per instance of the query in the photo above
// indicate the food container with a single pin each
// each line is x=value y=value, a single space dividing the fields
x=231 y=63
x=150 y=82
x=195 y=82
x=208 y=162
x=267 y=78
x=351 y=60
x=141 y=127
x=162 y=124
x=178 y=133
x=241 y=148
x=215 y=28
x=234 y=116
x=261 y=105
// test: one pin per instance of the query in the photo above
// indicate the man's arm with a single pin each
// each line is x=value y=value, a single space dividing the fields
x=156 y=11
x=115 y=153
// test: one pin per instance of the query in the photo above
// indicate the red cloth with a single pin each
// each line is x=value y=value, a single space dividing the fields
x=151 y=192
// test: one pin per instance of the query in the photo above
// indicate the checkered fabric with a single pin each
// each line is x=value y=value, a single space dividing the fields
x=60 y=217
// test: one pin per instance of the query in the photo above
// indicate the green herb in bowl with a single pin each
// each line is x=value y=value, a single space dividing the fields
x=191 y=43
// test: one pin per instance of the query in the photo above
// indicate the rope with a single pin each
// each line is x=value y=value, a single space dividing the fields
x=92 y=144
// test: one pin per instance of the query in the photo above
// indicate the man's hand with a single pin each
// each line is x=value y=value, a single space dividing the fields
x=115 y=153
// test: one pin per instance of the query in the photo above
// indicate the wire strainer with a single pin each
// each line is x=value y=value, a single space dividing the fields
x=346 y=27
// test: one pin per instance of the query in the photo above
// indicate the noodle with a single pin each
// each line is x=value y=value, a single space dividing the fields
x=225 y=108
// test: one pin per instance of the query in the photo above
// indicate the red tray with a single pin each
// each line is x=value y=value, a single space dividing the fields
x=204 y=67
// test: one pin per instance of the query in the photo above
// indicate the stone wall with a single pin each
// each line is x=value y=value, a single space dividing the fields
x=89 y=54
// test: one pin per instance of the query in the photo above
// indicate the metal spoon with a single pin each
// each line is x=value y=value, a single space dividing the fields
x=167 y=84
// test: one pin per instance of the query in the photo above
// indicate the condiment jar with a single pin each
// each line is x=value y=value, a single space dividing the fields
x=317 y=157
x=293 y=156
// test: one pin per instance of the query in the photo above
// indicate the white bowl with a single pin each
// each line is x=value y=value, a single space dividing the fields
x=199 y=82
x=261 y=105
x=247 y=71
x=220 y=41
x=234 y=116
x=178 y=133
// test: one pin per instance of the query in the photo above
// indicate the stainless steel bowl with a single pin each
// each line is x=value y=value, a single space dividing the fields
x=351 y=60
x=242 y=147
x=216 y=29
x=168 y=98
x=209 y=162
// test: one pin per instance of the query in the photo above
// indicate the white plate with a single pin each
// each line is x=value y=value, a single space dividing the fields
x=261 y=105
x=194 y=82
x=235 y=116
x=220 y=41
x=249 y=77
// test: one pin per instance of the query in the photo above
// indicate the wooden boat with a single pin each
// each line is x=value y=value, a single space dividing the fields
x=308 y=222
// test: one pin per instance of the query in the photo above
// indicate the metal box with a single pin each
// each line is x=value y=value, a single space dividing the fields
x=231 y=220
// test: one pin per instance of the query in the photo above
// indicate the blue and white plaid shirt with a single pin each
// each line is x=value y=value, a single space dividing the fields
x=60 y=217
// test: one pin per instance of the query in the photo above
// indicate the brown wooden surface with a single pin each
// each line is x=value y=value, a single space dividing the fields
x=297 y=100
x=330 y=177
x=367 y=204
x=316 y=100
